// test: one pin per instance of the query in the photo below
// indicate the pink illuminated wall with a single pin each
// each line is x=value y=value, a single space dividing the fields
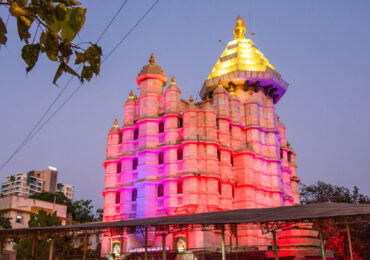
x=173 y=156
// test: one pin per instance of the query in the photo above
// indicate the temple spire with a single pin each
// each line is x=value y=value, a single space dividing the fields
x=239 y=30
x=152 y=59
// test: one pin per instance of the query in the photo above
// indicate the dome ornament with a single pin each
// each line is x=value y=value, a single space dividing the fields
x=173 y=80
x=131 y=95
x=152 y=59
x=116 y=123
x=239 y=30
x=191 y=99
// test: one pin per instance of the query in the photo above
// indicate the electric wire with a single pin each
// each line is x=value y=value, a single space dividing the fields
x=32 y=134
x=129 y=32
x=111 y=21
x=78 y=88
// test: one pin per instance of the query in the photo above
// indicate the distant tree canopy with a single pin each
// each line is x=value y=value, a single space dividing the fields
x=81 y=210
x=336 y=237
x=5 y=222
x=323 y=192
x=55 y=25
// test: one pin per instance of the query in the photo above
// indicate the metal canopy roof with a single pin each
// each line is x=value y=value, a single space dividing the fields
x=240 y=216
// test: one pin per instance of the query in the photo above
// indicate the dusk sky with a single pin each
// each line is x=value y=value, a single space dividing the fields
x=321 y=48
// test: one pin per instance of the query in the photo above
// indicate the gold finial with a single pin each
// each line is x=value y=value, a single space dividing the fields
x=135 y=98
x=116 y=123
x=152 y=59
x=288 y=144
x=232 y=90
x=191 y=99
x=173 y=80
x=239 y=29
x=131 y=94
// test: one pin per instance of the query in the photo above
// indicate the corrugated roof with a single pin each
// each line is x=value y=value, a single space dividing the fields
x=241 y=216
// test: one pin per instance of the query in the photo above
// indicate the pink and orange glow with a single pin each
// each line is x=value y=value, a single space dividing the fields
x=174 y=157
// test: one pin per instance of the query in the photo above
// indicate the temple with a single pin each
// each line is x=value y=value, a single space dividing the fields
x=173 y=156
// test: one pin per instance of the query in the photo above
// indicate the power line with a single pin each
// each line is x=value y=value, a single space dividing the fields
x=129 y=32
x=111 y=21
x=32 y=133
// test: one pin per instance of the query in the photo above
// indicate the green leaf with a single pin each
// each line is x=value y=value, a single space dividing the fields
x=77 y=18
x=51 y=45
x=3 y=31
x=42 y=41
x=80 y=57
x=58 y=73
x=23 y=27
x=86 y=73
x=30 y=54
x=60 y=12
x=65 y=49
x=70 y=70
x=93 y=54
x=68 y=2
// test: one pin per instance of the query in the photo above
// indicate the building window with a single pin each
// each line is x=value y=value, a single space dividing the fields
x=219 y=155
x=136 y=133
x=179 y=187
x=233 y=192
x=160 y=158
x=134 y=195
x=218 y=124
x=19 y=218
x=231 y=160
x=179 y=122
x=179 y=154
x=230 y=129
x=134 y=163
x=281 y=153
x=219 y=188
x=161 y=127
x=118 y=197
x=119 y=166
x=160 y=190
x=289 y=156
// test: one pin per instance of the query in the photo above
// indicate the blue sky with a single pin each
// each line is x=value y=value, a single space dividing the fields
x=322 y=48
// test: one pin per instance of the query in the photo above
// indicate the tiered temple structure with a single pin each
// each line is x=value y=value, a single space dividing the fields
x=173 y=156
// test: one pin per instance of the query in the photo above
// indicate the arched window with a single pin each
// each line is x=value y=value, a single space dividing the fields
x=118 y=197
x=119 y=166
x=281 y=153
x=219 y=188
x=218 y=124
x=134 y=163
x=160 y=158
x=289 y=156
x=233 y=192
x=160 y=190
x=161 y=127
x=134 y=195
x=179 y=122
x=219 y=155
x=179 y=154
x=232 y=160
x=179 y=187
x=230 y=129
x=136 y=133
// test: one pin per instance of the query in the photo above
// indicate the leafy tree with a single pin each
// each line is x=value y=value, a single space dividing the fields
x=5 y=222
x=82 y=211
x=99 y=214
x=336 y=236
x=56 y=24
x=44 y=219
x=60 y=198
x=40 y=219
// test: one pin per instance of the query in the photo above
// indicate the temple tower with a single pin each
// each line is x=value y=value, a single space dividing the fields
x=229 y=151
